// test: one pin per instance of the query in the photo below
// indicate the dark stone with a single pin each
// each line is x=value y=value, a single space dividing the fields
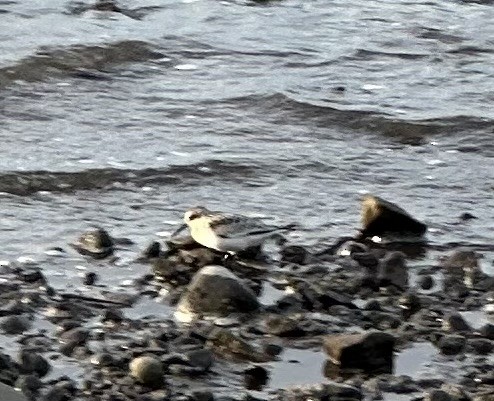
x=90 y=278
x=152 y=251
x=217 y=291
x=294 y=254
x=426 y=282
x=316 y=298
x=102 y=359
x=171 y=270
x=272 y=349
x=455 y=323
x=451 y=344
x=113 y=315
x=393 y=271
x=367 y=351
x=461 y=260
x=76 y=336
x=29 y=384
x=456 y=392
x=481 y=346
x=372 y=305
x=202 y=395
x=321 y=392
x=227 y=344
x=369 y=260
x=95 y=243
x=380 y=217
x=255 y=378
x=467 y=216
x=15 y=324
x=487 y=331
x=61 y=391
x=201 y=358
x=283 y=326
x=410 y=303
x=32 y=276
x=32 y=362
x=383 y=320
x=437 y=395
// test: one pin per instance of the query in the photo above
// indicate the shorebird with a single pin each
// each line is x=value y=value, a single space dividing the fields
x=228 y=233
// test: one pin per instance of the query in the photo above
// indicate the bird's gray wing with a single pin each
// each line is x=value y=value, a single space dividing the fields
x=232 y=226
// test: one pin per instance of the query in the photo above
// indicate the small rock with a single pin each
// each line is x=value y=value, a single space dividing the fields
x=461 y=260
x=202 y=395
x=426 y=282
x=28 y=384
x=227 y=344
x=437 y=395
x=320 y=392
x=61 y=391
x=95 y=243
x=294 y=254
x=368 y=351
x=451 y=344
x=372 y=305
x=113 y=315
x=32 y=362
x=90 y=278
x=481 y=346
x=393 y=271
x=102 y=359
x=77 y=336
x=467 y=216
x=32 y=276
x=148 y=370
x=380 y=217
x=283 y=326
x=214 y=290
x=255 y=378
x=201 y=358
x=455 y=323
x=272 y=349
x=410 y=303
x=487 y=331
x=15 y=324
x=456 y=392
x=152 y=251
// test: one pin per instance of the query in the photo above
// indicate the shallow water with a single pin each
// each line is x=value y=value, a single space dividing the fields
x=289 y=110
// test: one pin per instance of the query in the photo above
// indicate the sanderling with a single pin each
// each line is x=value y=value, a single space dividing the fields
x=227 y=232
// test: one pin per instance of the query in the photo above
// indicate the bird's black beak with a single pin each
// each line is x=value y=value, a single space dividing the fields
x=180 y=229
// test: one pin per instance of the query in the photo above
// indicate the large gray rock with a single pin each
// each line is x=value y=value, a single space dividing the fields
x=366 y=351
x=380 y=217
x=215 y=290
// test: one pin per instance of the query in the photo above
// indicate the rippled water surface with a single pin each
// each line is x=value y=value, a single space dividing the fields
x=286 y=109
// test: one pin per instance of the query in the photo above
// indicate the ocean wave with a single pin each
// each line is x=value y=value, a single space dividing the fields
x=82 y=61
x=24 y=183
x=283 y=107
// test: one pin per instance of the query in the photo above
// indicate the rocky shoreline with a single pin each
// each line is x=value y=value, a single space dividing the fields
x=354 y=308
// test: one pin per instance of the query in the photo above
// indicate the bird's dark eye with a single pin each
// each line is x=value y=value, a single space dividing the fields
x=193 y=216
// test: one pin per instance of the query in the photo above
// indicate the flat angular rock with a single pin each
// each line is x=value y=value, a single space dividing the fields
x=214 y=290
x=364 y=351
x=380 y=217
